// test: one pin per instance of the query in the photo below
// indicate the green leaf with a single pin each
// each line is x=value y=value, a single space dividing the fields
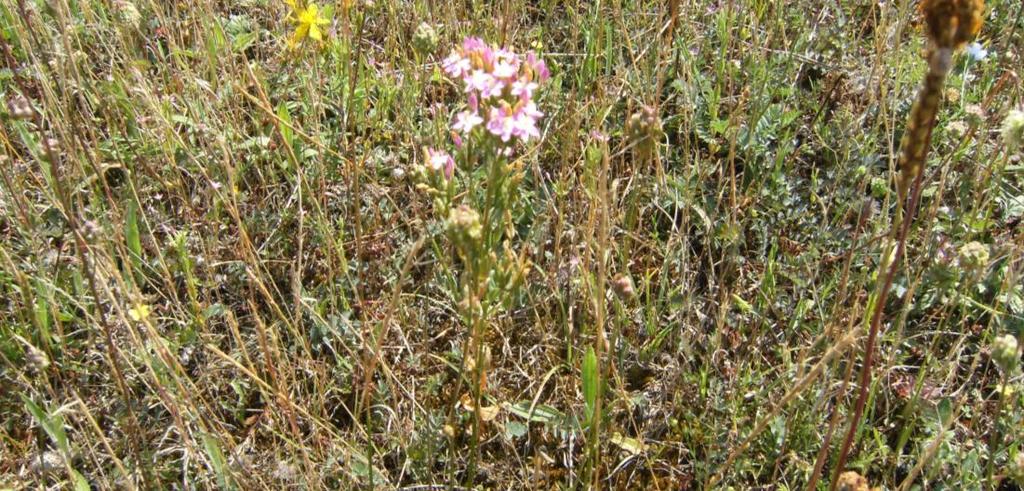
x=217 y=460
x=285 y=124
x=945 y=410
x=590 y=381
x=542 y=413
x=629 y=444
x=515 y=429
x=131 y=230
x=80 y=483
x=53 y=426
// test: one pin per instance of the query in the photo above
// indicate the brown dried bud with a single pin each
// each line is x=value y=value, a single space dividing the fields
x=19 y=107
x=623 y=286
x=36 y=360
x=643 y=129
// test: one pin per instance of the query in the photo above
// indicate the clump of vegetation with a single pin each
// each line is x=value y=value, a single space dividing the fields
x=376 y=244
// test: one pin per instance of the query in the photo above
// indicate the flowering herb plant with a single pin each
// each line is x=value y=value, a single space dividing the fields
x=476 y=190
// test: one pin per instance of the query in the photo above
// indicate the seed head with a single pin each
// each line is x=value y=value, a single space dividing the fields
x=19 y=107
x=35 y=360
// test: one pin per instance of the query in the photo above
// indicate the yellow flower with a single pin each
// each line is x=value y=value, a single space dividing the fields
x=307 y=22
x=139 y=312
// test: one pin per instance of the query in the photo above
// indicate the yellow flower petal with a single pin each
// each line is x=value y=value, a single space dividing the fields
x=139 y=312
x=314 y=32
x=300 y=32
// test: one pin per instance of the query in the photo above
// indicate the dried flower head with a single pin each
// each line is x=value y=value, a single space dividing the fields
x=952 y=23
x=643 y=129
x=1013 y=129
x=622 y=285
x=19 y=107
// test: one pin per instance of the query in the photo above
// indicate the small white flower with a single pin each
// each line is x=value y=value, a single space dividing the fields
x=977 y=51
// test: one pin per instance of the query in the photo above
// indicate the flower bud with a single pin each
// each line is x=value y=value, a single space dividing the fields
x=1004 y=353
x=973 y=256
x=1013 y=129
x=424 y=39
x=464 y=225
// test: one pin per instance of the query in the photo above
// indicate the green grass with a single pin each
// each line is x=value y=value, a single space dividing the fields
x=305 y=327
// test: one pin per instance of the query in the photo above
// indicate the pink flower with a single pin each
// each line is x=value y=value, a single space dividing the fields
x=530 y=110
x=504 y=69
x=474 y=44
x=524 y=122
x=523 y=90
x=538 y=69
x=465 y=121
x=480 y=81
x=440 y=161
x=501 y=123
x=457 y=66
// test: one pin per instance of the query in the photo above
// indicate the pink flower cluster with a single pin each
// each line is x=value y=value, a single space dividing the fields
x=500 y=85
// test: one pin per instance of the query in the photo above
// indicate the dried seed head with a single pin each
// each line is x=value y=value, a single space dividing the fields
x=952 y=23
x=19 y=107
x=35 y=360
x=643 y=129
x=623 y=286
x=46 y=463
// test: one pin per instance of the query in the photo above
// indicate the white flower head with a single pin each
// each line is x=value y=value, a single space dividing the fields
x=976 y=51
